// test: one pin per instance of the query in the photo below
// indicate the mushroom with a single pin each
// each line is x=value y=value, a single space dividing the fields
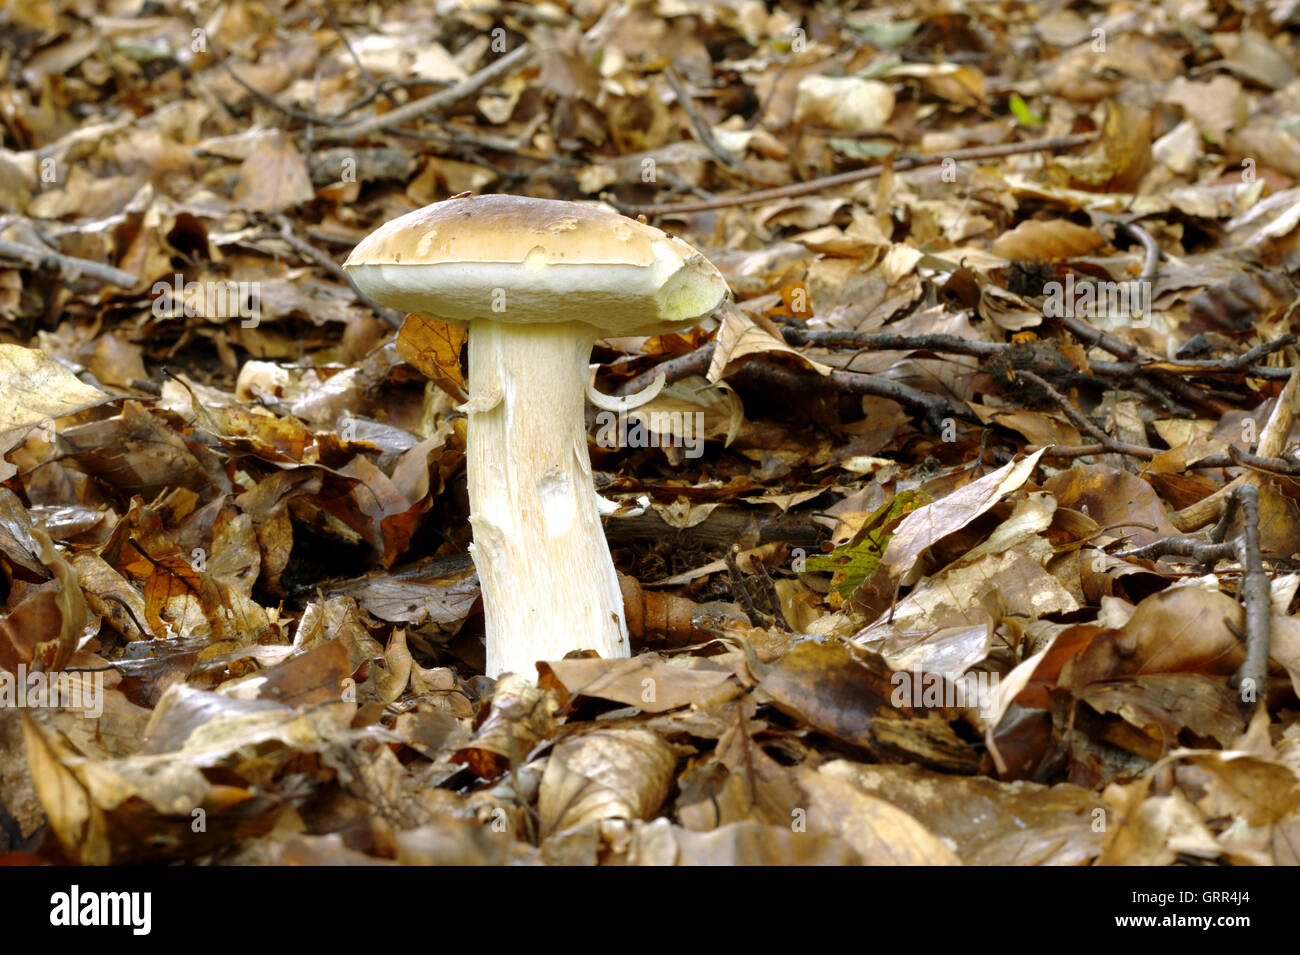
x=537 y=282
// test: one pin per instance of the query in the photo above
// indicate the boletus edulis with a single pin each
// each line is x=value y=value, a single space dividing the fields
x=537 y=282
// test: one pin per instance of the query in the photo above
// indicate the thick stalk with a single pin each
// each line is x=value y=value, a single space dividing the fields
x=549 y=585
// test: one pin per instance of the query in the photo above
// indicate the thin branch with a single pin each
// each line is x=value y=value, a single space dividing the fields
x=1254 y=595
x=885 y=341
x=68 y=265
x=1202 y=552
x=1131 y=353
x=1081 y=421
x=1243 y=363
x=309 y=251
x=1253 y=591
x=435 y=101
x=699 y=126
x=738 y=588
x=768 y=588
x=695 y=362
x=900 y=164
x=1152 y=248
x=935 y=407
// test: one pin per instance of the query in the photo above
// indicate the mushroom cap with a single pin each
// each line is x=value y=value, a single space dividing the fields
x=517 y=259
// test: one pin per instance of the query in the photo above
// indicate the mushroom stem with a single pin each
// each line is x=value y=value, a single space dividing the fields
x=548 y=582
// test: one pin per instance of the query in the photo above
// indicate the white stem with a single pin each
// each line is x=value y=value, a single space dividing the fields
x=549 y=585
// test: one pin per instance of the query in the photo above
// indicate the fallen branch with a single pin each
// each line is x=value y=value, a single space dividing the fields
x=309 y=251
x=1131 y=353
x=1253 y=591
x=900 y=164
x=885 y=341
x=1243 y=364
x=674 y=369
x=701 y=129
x=1152 y=261
x=1081 y=421
x=1256 y=596
x=69 y=266
x=434 y=101
x=935 y=407
x=1202 y=552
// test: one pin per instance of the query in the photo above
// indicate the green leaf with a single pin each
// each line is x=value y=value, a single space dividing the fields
x=859 y=558
x=1023 y=114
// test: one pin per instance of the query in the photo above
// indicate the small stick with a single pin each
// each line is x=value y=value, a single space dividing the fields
x=698 y=125
x=434 y=101
x=1254 y=595
x=1152 y=250
x=69 y=265
x=773 y=599
x=885 y=341
x=1203 y=552
x=674 y=369
x=1252 y=591
x=1081 y=422
x=739 y=590
x=900 y=164
x=309 y=251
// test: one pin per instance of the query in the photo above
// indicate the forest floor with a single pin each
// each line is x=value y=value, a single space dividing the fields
x=965 y=534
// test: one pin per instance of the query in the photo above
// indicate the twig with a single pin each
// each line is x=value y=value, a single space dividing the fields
x=1253 y=591
x=769 y=593
x=306 y=249
x=1129 y=352
x=383 y=88
x=435 y=101
x=885 y=341
x=900 y=164
x=698 y=125
x=674 y=369
x=1274 y=465
x=1152 y=262
x=935 y=407
x=366 y=75
x=1243 y=363
x=1255 y=596
x=71 y=266
x=1202 y=552
x=301 y=116
x=1081 y=421
x=1219 y=532
x=738 y=588
x=1066 y=450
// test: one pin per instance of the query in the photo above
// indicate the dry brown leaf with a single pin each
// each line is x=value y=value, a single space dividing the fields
x=1050 y=241
x=605 y=774
x=274 y=177
x=652 y=684
x=880 y=832
x=1119 y=158
x=34 y=388
x=434 y=347
x=929 y=524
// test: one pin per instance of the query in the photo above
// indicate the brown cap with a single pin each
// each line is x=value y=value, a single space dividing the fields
x=516 y=259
